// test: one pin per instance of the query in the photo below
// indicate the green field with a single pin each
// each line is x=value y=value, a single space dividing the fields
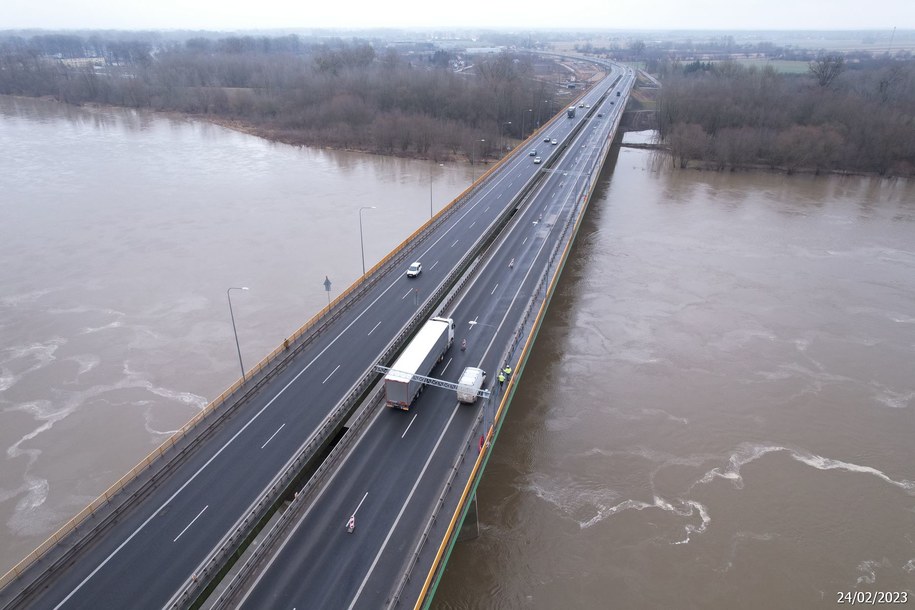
x=780 y=65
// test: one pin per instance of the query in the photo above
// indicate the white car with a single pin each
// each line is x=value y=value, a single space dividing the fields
x=554 y=142
x=537 y=159
x=415 y=269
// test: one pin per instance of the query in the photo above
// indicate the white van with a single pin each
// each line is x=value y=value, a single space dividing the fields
x=469 y=384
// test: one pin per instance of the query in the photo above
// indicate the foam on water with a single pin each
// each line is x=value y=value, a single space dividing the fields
x=35 y=490
x=33 y=357
x=867 y=570
x=7 y=379
x=750 y=452
x=685 y=508
x=136 y=379
x=15 y=300
x=41 y=410
x=147 y=422
x=890 y=398
x=590 y=503
x=86 y=362
x=90 y=329
x=909 y=566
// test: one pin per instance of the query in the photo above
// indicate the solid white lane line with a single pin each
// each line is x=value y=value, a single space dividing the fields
x=272 y=435
x=374 y=327
x=444 y=368
x=190 y=524
x=493 y=290
x=404 y=507
x=408 y=425
x=360 y=503
x=331 y=374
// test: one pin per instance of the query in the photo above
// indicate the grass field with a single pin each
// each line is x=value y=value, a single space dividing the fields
x=780 y=65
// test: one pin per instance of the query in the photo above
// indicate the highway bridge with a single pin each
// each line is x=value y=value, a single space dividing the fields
x=490 y=262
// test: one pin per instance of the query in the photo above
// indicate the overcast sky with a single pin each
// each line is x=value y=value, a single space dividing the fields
x=501 y=14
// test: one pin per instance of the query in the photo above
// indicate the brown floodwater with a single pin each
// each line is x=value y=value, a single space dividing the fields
x=720 y=409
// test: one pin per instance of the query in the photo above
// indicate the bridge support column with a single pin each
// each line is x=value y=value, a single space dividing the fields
x=470 y=529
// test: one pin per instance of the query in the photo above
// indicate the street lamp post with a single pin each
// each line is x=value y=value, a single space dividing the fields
x=524 y=118
x=361 y=241
x=472 y=149
x=501 y=139
x=234 y=330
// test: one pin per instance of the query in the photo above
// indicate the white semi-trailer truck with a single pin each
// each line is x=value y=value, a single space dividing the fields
x=428 y=347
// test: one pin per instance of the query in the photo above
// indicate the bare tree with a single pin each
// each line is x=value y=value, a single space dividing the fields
x=826 y=69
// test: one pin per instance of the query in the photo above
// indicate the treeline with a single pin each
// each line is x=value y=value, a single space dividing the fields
x=347 y=94
x=848 y=117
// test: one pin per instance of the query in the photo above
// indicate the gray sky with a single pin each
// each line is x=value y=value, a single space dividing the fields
x=501 y=14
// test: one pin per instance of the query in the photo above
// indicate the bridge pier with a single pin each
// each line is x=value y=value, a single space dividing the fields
x=470 y=529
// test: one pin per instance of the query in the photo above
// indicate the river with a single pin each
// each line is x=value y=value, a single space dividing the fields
x=718 y=413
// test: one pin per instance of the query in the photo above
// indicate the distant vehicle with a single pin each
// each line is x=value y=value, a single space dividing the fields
x=571 y=112
x=547 y=140
x=537 y=160
x=469 y=384
x=617 y=94
x=533 y=152
x=428 y=347
x=587 y=105
x=415 y=269
x=582 y=105
x=600 y=115
x=554 y=142
x=612 y=102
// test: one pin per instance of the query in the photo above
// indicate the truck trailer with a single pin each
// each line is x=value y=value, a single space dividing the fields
x=427 y=348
